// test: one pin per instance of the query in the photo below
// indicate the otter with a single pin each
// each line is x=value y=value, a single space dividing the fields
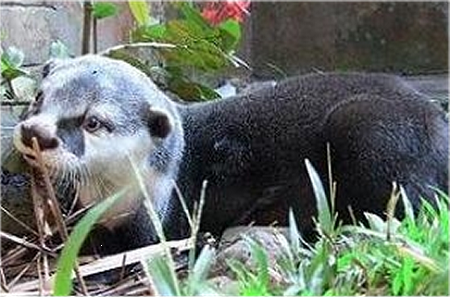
x=94 y=116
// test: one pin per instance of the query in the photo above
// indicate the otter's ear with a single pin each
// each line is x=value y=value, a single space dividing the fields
x=159 y=122
x=50 y=65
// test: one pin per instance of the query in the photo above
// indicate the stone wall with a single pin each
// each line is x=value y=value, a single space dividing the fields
x=280 y=37
x=298 y=37
x=32 y=26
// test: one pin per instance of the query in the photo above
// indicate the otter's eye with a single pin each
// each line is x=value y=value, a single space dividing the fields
x=92 y=124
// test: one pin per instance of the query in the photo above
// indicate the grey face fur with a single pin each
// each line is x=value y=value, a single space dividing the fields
x=94 y=116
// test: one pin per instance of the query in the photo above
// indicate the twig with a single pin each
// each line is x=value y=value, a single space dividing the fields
x=25 y=243
x=11 y=88
x=155 y=45
x=46 y=281
x=74 y=216
x=55 y=208
x=73 y=205
x=19 y=221
x=39 y=214
x=53 y=202
x=14 y=254
x=22 y=272
x=121 y=276
x=391 y=206
x=39 y=276
x=116 y=261
x=3 y=284
x=126 y=286
x=133 y=256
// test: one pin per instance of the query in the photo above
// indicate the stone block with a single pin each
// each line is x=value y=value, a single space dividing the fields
x=32 y=29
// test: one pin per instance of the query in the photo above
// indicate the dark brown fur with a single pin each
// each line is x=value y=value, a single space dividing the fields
x=251 y=150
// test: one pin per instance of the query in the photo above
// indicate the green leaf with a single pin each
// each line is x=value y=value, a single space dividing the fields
x=408 y=209
x=324 y=213
x=12 y=73
x=67 y=260
x=101 y=10
x=294 y=232
x=11 y=62
x=5 y=64
x=260 y=258
x=230 y=33
x=155 y=32
x=191 y=91
x=376 y=223
x=140 y=11
x=13 y=57
x=159 y=271
x=193 y=16
x=198 y=275
x=58 y=50
x=206 y=93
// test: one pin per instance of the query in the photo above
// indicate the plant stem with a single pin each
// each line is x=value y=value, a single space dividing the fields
x=10 y=87
x=87 y=18
x=13 y=103
x=94 y=34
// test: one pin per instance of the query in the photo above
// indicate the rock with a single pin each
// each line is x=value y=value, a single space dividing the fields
x=234 y=246
x=225 y=285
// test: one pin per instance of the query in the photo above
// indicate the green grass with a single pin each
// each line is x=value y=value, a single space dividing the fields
x=67 y=261
x=390 y=257
x=387 y=257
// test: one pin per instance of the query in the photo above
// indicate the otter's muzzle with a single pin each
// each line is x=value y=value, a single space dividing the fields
x=45 y=139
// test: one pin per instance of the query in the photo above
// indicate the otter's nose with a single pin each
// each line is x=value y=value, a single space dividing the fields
x=45 y=140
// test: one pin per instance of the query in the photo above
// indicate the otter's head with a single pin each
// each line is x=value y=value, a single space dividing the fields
x=92 y=116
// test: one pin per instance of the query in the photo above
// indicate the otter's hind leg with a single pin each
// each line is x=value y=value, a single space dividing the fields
x=375 y=142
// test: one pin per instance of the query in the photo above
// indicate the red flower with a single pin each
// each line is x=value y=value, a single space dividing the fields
x=216 y=12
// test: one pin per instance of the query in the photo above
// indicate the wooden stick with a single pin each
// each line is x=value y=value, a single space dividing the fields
x=55 y=208
x=26 y=227
x=116 y=261
x=22 y=272
x=25 y=243
x=39 y=214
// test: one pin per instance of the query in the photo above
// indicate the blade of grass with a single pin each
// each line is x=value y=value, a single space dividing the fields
x=196 y=224
x=324 y=212
x=332 y=185
x=67 y=260
x=391 y=207
x=169 y=272
x=408 y=209
x=184 y=206
x=294 y=232
x=140 y=11
x=200 y=271
x=161 y=274
x=260 y=258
